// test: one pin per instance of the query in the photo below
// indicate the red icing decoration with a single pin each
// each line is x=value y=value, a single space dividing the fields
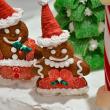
x=5 y=10
x=50 y=26
x=16 y=69
x=25 y=73
x=64 y=74
x=30 y=43
x=20 y=53
x=16 y=75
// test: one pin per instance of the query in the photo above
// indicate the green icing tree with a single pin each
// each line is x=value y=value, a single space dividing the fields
x=85 y=20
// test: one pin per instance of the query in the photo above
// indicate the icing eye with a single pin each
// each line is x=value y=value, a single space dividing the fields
x=53 y=52
x=17 y=31
x=7 y=31
x=64 y=51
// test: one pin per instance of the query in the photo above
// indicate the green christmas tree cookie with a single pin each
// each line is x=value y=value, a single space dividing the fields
x=85 y=20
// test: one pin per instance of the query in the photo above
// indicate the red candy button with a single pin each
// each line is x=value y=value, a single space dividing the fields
x=16 y=75
x=16 y=69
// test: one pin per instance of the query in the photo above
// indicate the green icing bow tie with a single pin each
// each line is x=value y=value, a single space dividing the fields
x=20 y=46
x=61 y=82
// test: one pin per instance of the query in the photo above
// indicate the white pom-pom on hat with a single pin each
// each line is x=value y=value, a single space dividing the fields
x=43 y=2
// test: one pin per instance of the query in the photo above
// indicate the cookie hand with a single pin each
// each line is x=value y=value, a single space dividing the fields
x=82 y=67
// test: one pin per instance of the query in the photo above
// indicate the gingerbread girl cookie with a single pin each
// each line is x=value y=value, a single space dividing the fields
x=62 y=72
x=18 y=53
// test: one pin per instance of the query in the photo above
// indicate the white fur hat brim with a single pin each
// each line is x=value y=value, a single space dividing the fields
x=54 y=40
x=12 y=20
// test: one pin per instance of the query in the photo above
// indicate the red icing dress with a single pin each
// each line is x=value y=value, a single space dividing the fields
x=62 y=79
x=19 y=69
x=62 y=83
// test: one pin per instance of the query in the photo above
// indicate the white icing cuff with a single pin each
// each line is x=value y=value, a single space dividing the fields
x=62 y=92
x=43 y=2
x=11 y=20
x=54 y=40
x=20 y=63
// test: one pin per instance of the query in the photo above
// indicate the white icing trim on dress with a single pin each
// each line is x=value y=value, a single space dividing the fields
x=11 y=42
x=54 y=40
x=63 y=64
x=39 y=70
x=57 y=59
x=62 y=92
x=20 y=63
x=11 y=20
x=79 y=71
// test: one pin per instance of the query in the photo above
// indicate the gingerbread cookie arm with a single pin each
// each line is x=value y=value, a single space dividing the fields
x=82 y=67
x=39 y=68
x=38 y=53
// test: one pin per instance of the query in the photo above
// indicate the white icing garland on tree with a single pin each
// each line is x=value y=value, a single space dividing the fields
x=93 y=45
x=68 y=12
x=88 y=12
x=71 y=27
x=101 y=27
x=83 y=1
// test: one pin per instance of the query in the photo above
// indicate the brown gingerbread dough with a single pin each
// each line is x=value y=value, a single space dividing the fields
x=70 y=52
x=13 y=36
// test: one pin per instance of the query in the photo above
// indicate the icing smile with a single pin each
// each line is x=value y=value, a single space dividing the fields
x=11 y=42
x=58 y=60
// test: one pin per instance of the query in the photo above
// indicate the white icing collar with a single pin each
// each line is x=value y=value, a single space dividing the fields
x=63 y=64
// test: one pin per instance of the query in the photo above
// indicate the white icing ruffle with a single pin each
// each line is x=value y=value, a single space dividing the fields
x=62 y=92
x=63 y=64
x=20 y=63
x=11 y=20
x=54 y=40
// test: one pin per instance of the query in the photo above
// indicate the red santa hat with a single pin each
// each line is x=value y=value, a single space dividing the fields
x=52 y=34
x=9 y=16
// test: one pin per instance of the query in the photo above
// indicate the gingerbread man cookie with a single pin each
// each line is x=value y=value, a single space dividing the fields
x=62 y=72
x=18 y=53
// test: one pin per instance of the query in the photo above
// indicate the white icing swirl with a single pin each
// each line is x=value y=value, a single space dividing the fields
x=54 y=40
x=79 y=72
